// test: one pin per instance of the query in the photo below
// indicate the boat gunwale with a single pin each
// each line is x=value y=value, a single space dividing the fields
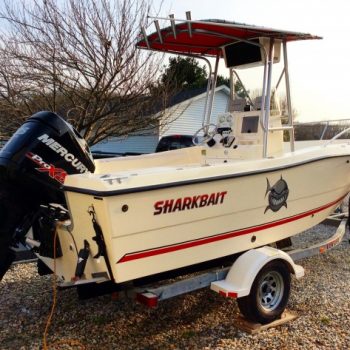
x=109 y=193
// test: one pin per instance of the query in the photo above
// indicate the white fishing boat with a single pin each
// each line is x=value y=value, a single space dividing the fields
x=123 y=219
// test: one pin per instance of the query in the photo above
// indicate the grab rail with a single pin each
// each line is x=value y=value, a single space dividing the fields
x=336 y=136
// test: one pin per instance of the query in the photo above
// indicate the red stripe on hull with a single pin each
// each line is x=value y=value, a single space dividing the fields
x=222 y=236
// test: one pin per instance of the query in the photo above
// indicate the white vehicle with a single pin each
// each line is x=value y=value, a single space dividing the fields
x=125 y=219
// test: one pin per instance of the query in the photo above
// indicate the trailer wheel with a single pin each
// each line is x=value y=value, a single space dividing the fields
x=269 y=293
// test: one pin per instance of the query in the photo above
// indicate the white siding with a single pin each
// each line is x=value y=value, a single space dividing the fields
x=187 y=118
x=137 y=144
x=184 y=118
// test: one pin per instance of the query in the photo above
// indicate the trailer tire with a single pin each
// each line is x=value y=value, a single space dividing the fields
x=269 y=293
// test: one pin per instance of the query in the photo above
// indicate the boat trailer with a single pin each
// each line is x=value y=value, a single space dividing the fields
x=220 y=280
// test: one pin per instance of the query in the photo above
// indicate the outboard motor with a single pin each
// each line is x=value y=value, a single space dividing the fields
x=33 y=166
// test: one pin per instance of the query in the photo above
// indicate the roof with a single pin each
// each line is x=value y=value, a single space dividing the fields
x=193 y=94
x=185 y=95
x=207 y=37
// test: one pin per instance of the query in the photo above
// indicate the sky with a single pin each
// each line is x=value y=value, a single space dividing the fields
x=319 y=69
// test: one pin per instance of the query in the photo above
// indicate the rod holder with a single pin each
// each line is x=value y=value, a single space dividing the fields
x=143 y=30
x=188 y=17
x=172 y=22
x=156 y=23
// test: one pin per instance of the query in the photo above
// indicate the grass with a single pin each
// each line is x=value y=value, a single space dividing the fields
x=188 y=334
x=325 y=320
x=100 y=319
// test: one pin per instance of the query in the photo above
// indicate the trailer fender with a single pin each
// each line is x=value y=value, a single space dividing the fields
x=242 y=273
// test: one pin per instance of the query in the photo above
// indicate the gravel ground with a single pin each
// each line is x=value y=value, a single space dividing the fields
x=199 y=320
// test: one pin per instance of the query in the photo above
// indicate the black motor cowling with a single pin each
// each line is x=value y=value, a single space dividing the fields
x=33 y=166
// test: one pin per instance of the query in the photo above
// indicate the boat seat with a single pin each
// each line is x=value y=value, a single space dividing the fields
x=238 y=105
x=275 y=108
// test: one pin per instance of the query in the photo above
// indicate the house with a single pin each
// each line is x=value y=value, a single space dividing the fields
x=183 y=116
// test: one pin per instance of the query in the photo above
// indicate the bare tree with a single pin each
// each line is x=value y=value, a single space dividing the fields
x=78 y=58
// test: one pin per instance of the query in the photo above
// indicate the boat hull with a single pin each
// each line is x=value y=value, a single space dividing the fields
x=154 y=230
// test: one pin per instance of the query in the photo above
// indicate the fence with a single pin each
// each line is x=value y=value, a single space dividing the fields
x=322 y=130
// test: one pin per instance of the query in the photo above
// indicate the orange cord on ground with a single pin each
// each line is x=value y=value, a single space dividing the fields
x=71 y=342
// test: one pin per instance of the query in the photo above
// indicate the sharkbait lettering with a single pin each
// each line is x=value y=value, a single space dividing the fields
x=188 y=203
x=63 y=152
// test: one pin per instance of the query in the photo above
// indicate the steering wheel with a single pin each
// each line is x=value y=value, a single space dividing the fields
x=207 y=136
